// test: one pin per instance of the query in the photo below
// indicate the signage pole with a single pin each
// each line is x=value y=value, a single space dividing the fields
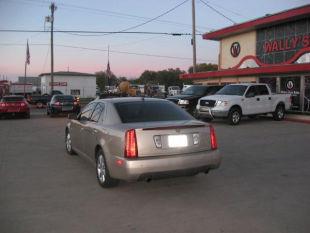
x=194 y=36
x=25 y=78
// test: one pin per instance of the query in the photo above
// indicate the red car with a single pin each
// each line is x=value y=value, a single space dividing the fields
x=14 y=105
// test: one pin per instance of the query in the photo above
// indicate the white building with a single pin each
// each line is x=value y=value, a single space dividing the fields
x=70 y=83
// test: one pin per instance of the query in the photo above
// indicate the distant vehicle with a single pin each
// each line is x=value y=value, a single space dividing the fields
x=237 y=100
x=174 y=90
x=188 y=99
x=128 y=140
x=41 y=100
x=14 y=105
x=62 y=104
x=20 y=88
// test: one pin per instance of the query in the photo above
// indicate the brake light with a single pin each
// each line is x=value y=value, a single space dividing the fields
x=2 y=104
x=22 y=104
x=131 y=149
x=57 y=103
x=75 y=103
x=213 y=138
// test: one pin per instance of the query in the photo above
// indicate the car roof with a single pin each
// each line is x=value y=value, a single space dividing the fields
x=8 y=96
x=130 y=99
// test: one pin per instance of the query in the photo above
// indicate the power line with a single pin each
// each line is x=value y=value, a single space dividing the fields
x=226 y=9
x=150 y=20
x=105 y=50
x=109 y=13
x=217 y=11
x=100 y=32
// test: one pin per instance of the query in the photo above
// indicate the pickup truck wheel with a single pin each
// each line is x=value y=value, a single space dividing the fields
x=279 y=113
x=103 y=175
x=69 y=149
x=234 y=116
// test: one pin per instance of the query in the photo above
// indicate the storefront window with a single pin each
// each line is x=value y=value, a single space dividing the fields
x=307 y=94
x=271 y=81
x=291 y=85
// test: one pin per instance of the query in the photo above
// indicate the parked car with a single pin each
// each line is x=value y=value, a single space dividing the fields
x=41 y=100
x=237 y=100
x=14 y=105
x=188 y=99
x=62 y=104
x=128 y=140
x=174 y=90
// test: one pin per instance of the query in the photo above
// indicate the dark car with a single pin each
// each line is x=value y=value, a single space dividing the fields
x=62 y=104
x=188 y=99
x=41 y=100
x=14 y=105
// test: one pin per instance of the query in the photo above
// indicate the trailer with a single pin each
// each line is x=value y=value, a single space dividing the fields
x=20 y=88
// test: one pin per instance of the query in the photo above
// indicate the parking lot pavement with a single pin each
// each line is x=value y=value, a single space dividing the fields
x=262 y=185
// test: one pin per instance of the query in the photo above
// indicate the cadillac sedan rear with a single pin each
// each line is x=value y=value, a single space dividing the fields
x=144 y=139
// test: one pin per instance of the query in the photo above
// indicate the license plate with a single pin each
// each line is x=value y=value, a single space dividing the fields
x=67 y=108
x=177 y=141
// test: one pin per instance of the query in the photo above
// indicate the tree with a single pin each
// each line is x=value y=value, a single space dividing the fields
x=169 y=77
x=102 y=80
x=203 y=67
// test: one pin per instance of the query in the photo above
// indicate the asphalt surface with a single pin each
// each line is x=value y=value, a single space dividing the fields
x=262 y=185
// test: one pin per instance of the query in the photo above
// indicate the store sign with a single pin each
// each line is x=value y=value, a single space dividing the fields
x=287 y=44
x=235 y=49
x=62 y=84
x=289 y=85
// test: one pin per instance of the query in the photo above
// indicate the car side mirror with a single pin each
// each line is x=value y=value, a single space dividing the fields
x=250 y=95
x=72 y=116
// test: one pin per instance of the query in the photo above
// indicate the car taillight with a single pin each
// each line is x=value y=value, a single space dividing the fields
x=75 y=103
x=213 y=138
x=22 y=104
x=57 y=103
x=2 y=104
x=131 y=149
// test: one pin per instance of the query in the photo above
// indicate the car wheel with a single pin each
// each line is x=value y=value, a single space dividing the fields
x=279 y=113
x=69 y=149
x=103 y=175
x=234 y=116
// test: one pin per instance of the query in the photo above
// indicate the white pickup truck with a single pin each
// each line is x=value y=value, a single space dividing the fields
x=247 y=99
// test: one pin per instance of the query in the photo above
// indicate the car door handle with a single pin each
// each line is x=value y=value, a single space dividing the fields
x=258 y=99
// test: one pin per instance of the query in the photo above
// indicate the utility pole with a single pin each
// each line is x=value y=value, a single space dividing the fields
x=51 y=20
x=194 y=35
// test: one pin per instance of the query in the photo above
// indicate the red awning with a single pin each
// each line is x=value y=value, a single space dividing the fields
x=266 y=70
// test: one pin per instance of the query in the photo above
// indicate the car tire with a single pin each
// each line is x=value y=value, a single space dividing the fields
x=234 y=116
x=279 y=113
x=102 y=172
x=68 y=143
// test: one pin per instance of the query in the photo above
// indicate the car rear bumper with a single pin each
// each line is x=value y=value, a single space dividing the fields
x=165 y=166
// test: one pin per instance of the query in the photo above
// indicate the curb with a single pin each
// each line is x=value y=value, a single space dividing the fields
x=298 y=120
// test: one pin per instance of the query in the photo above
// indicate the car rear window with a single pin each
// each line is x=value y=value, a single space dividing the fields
x=64 y=98
x=13 y=99
x=148 y=111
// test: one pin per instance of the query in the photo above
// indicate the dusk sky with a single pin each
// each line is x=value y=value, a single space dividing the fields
x=116 y=15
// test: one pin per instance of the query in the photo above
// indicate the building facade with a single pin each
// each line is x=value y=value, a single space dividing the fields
x=35 y=81
x=274 y=49
x=70 y=83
